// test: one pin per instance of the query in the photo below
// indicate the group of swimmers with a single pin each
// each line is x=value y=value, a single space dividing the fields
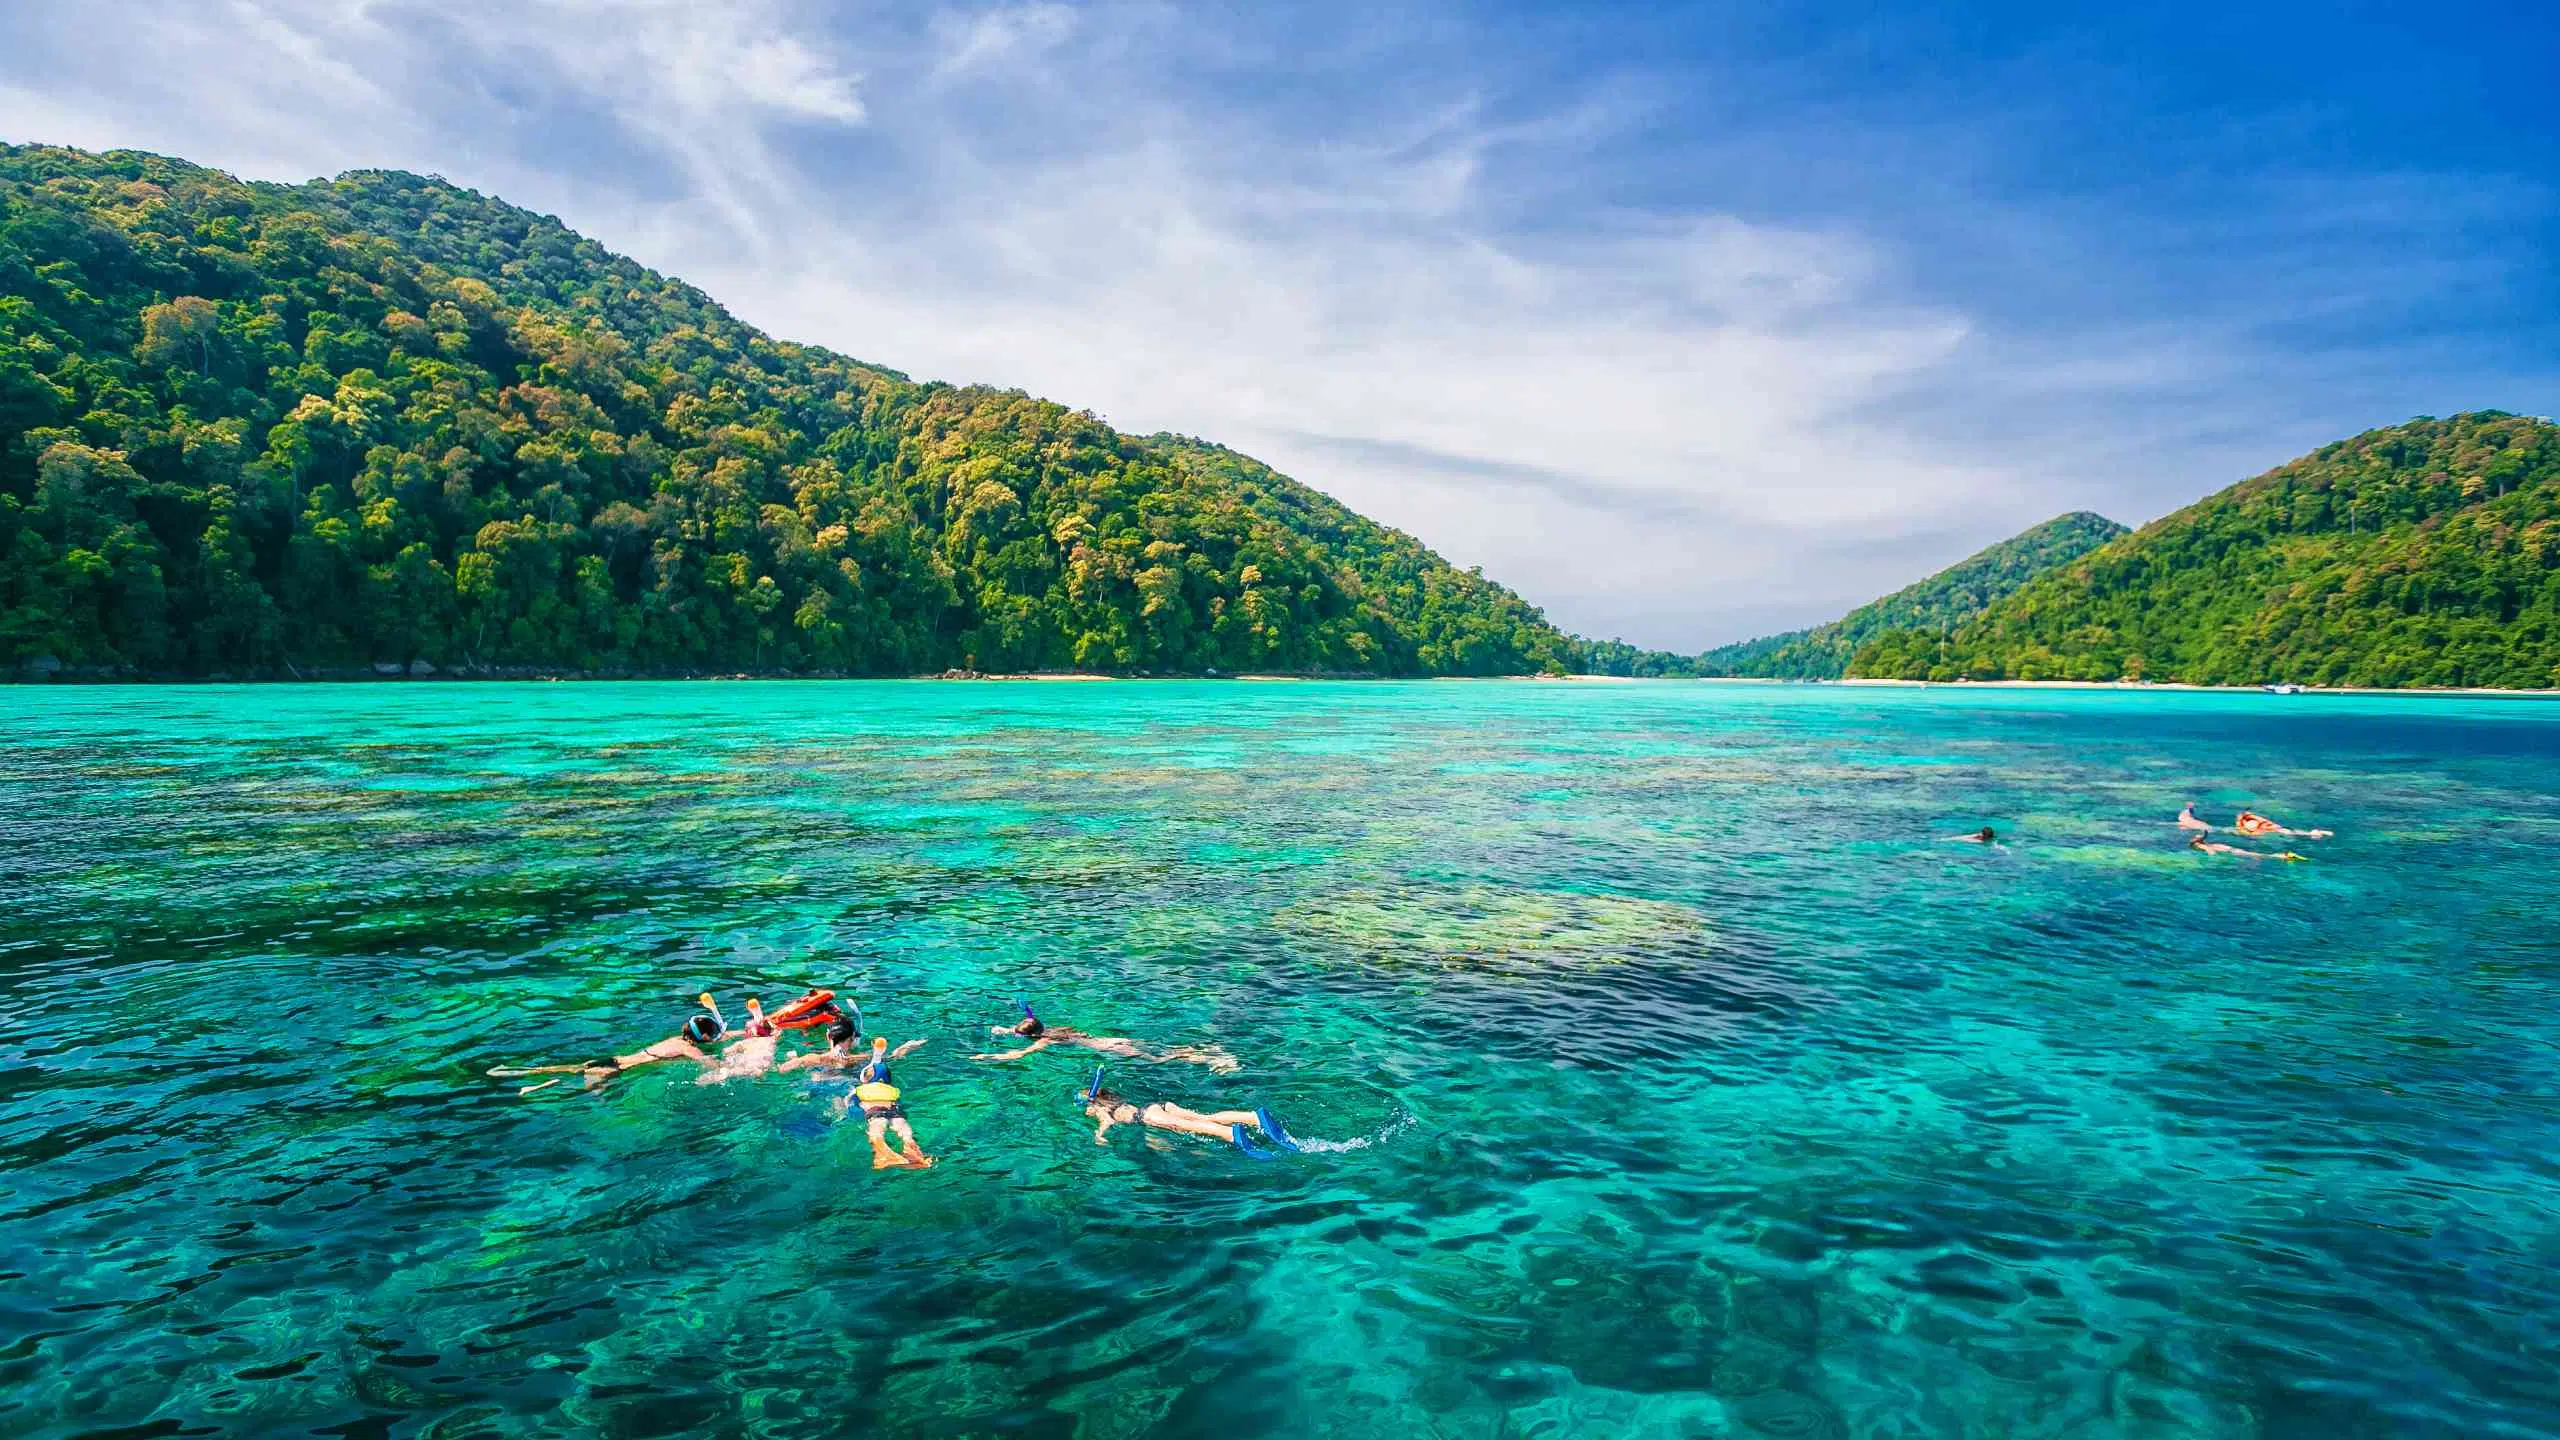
x=756 y=1050
x=2246 y=823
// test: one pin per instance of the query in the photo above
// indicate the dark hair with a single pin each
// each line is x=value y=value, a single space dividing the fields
x=1101 y=1097
x=1030 y=1028
x=1985 y=833
x=843 y=1032
x=702 y=1027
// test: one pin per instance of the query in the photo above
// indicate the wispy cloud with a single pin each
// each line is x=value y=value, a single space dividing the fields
x=1664 y=379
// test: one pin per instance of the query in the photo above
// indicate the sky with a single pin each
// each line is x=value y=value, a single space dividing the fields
x=1690 y=323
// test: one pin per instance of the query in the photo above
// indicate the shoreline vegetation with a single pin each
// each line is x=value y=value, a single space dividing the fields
x=252 y=429
x=384 y=427
x=502 y=674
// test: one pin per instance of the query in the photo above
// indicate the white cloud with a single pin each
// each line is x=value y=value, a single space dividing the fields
x=998 y=38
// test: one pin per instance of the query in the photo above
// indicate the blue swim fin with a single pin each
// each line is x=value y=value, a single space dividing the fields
x=1271 y=1126
x=1236 y=1132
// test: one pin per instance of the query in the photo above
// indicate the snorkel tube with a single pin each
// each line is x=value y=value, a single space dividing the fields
x=872 y=1083
x=1094 y=1089
x=706 y=1002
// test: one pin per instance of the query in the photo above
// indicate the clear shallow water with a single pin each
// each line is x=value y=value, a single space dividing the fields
x=1711 y=1095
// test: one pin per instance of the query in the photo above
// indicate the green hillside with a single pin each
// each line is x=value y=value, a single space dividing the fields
x=1943 y=601
x=260 y=429
x=2423 y=554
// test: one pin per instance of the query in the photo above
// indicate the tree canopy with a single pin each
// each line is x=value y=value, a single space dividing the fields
x=2421 y=554
x=1941 y=602
x=260 y=429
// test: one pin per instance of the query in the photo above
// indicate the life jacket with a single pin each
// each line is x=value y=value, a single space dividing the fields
x=875 y=1086
x=810 y=1011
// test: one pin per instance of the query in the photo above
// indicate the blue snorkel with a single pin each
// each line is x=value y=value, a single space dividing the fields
x=1094 y=1089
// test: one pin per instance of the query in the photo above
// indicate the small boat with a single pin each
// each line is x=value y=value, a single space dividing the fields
x=2282 y=689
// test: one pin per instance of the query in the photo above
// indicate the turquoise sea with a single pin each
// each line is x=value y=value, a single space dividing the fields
x=1684 y=1081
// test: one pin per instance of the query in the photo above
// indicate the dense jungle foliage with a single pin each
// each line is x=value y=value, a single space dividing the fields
x=261 y=429
x=1941 y=602
x=2423 y=554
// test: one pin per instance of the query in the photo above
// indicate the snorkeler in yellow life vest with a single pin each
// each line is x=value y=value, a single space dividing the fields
x=878 y=1093
x=874 y=1088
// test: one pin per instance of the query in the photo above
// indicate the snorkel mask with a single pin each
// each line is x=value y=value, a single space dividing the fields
x=1030 y=1028
x=709 y=1026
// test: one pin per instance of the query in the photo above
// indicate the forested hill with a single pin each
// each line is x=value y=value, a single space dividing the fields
x=1941 y=602
x=260 y=429
x=2423 y=554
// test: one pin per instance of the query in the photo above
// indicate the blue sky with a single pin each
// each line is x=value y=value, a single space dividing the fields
x=1688 y=322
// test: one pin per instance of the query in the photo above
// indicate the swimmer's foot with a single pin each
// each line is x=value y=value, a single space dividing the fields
x=915 y=1159
x=1236 y=1133
x=884 y=1158
x=1271 y=1126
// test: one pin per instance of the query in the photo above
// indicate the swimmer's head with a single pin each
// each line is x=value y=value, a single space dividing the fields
x=1983 y=834
x=1028 y=1027
x=702 y=1029
x=1095 y=1100
x=843 y=1034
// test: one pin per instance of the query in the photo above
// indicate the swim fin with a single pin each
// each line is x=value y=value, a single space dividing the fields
x=1236 y=1133
x=1272 y=1127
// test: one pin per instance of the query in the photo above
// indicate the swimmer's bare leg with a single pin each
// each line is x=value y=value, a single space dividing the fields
x=915 y=1156
x=1192 y=1122
x=1218 y=1061
x=882 y=1157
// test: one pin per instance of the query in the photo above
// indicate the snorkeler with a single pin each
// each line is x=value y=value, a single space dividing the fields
x=2216 y=847
x=2187 y=819
x=1108 y=1108
x=752 y=1053
x=2249 y=822
x=878 y=1093
x=685 y=1044
x=843 y=1052
x=1983 y=836
x=1042 y=1035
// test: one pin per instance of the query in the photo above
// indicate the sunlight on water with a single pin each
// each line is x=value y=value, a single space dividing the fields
x=1662 y=1072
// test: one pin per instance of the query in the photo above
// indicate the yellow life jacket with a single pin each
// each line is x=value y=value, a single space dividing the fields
x=872 y=1092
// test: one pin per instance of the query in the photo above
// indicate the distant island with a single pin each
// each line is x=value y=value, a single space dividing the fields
x=1943 y=601
x=2425 y=554
x=385 y=425
x=2419 y=555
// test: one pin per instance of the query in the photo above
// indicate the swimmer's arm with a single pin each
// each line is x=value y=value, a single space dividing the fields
x=901 y=1052
x=803 y=1062
x=1101 y=1128
x=1043 y=1043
